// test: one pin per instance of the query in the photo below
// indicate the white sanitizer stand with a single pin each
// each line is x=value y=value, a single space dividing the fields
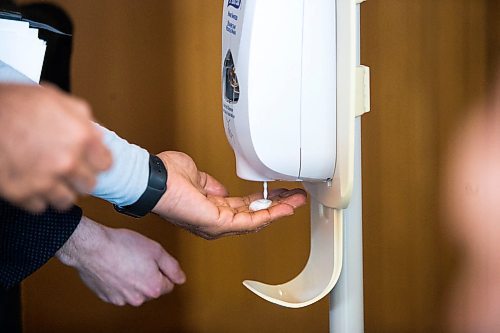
x=293 y=94
x=346 y=299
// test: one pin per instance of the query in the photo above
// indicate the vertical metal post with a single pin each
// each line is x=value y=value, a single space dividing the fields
x=346 y=299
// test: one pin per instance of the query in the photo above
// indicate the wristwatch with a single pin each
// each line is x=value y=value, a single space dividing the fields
x=157 y=186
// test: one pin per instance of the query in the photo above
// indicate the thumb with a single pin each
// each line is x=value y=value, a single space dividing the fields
x=171 y=268
x=212 y=186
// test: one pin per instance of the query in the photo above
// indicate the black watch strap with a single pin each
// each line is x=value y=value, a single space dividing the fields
x=157 y=185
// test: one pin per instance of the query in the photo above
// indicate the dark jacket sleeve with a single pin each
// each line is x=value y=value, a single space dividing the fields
x=28 y=241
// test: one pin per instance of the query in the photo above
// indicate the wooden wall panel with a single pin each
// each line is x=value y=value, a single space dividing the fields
x=428 y=62
x=493 y=12
x=151 y=71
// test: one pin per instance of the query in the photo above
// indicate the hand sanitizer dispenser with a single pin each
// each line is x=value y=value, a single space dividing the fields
x=291 y=89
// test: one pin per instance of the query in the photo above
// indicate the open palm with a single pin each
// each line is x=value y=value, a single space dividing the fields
x=197 y=202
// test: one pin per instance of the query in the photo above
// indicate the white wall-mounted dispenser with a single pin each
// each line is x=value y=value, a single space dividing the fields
x=292 y=88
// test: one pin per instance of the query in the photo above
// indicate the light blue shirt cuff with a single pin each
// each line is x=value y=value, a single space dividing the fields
x=127 y=179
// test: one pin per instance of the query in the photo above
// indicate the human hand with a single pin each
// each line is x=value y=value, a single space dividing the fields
x=120 y=266
x=472 y=192
x=197 y=202
x=49 y=148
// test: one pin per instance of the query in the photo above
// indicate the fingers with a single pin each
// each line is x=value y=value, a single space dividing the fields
x=138 y=297
x=61 y=196
x=78 y=106
x=97 y=155
x=254 y=221
x=167 y=286
x=168 y=275
x=82 y=176
x=93 y=154
x=160 y=287
x=171 y=268
x=82 y=179
x=34 y=204
x=93 y=159
x=293 y=198
x=241 y=220
x=244 y=202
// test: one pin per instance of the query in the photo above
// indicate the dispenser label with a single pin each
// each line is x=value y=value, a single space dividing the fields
x=228 y=111
x=231 y=28
x=229 y=124
x=234 y=3
x=232 y=14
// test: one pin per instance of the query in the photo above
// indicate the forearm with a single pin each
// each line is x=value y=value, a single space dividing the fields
x=127 y=179
x=85 y=242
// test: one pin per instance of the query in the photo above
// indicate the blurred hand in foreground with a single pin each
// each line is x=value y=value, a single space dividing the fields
x=50 y=150
x=472 y=198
